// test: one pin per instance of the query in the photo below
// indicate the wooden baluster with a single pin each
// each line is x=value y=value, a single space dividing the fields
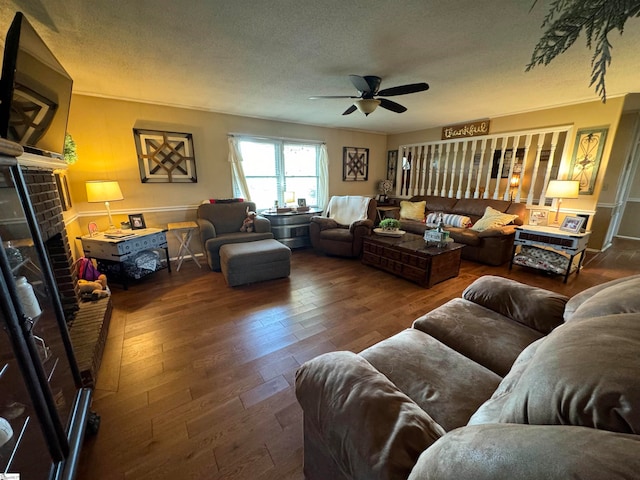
x=483 y=148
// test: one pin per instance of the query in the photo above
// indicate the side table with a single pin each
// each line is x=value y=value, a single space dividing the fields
x=291 y=228
x=183 y=231
x=112 y=253
x=571 y=244
x=383 y=210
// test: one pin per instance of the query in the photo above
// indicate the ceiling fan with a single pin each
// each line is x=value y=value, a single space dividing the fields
x=368 y=86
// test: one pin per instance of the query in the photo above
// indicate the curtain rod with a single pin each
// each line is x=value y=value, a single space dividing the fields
x=284 y=139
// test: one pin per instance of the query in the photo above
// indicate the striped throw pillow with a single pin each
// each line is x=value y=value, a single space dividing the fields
x=449 y=219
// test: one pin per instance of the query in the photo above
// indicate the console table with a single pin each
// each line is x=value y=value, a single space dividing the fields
x=571 y=244
x=111 y=253
x=411 y=258
x=291 y=228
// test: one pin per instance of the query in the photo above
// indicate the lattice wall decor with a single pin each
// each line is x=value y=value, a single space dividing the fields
x=355 y=164
x=165 y=157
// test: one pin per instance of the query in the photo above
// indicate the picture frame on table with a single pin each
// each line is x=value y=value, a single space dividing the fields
x=137 y=221
x=302 y=202
x=572 y=224
x=539 y=217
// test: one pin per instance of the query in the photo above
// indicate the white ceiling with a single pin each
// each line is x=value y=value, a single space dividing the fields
x=264 y=59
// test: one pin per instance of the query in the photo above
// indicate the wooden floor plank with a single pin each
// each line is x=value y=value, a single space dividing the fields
x=197 y=378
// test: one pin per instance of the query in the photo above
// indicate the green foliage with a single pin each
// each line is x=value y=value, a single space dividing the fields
x=389 y=224
x=70 y=155
x=567 y=18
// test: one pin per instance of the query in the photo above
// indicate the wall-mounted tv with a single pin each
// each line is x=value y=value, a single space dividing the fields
x=35 y=92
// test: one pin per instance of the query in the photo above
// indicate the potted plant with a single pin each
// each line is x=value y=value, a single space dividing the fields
x=390 y=224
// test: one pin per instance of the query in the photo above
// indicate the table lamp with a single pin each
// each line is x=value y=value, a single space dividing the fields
x=106 y=191
x=560 y=189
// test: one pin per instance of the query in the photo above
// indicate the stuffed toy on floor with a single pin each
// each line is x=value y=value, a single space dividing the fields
x=247 y=224
x=94 y=289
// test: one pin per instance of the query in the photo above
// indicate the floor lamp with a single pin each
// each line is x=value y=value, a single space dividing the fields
x=560 y=189
x=106 y=191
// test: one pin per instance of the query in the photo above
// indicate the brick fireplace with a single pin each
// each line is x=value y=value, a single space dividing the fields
x=43 y=192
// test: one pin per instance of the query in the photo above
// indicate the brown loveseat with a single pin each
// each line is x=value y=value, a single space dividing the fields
x=493 y=246
x=508 y=382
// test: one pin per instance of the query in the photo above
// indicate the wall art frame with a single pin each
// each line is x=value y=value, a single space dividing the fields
x=355 y=164
x=165 y=157
x=586 y=158
x=506 y=163
x=392 y=166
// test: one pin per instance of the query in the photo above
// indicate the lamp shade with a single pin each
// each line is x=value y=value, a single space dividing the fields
x=563 y=189
x=367 y=105
x=103 y=191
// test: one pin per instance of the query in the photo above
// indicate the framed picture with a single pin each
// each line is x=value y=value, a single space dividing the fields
x=93 y=229
x=506 y=162
x=137 y=221
x=539 y=217
x=586 y=217
x=302 y=202
x=355 y=164
x=572 y=224
x=586 y=158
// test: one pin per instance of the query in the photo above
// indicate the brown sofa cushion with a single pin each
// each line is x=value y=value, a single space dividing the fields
x=530 y=452
x=585 y=374
x=371 y=428
x=423 y=368
x=484 y=336
x=534 y=307
x=618 y=296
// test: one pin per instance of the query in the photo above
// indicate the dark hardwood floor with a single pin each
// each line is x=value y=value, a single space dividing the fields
x=197 y=378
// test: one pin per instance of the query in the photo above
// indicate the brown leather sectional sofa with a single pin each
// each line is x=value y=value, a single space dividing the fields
x=509 y=381
x=493 y=246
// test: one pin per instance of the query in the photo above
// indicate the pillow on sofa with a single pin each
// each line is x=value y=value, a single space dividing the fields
x=412 y=210
x=584 y=374
x=493 y=218
x=449 y=219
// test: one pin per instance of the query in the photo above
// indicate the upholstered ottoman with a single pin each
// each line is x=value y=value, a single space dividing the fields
x=250 y=262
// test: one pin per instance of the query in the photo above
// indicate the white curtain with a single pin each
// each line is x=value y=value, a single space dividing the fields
x=323 y=178
x=237 y=172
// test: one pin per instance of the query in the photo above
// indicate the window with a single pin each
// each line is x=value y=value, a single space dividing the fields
x=273 y=167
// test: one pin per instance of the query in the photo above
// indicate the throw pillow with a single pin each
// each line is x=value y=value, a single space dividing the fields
x=493 y=218
x=450 y=220
x=412 y=210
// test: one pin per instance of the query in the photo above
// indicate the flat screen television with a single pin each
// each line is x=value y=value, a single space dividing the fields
x=35 y=92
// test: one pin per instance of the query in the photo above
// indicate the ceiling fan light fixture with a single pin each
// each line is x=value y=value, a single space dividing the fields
x=367 y=105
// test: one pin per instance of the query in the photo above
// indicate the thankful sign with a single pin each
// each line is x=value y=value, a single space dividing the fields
x=471 y=129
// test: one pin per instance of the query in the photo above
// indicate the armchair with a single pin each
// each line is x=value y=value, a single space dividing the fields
x=340 y=231
x=220 y=223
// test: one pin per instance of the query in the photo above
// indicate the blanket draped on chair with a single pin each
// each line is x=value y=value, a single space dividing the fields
x=348 y=209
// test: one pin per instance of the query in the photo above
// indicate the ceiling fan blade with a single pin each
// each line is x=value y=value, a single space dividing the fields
x=403 y=89
x=393 y=106
x=321 y=97
x=350 y=110
x=368 y=84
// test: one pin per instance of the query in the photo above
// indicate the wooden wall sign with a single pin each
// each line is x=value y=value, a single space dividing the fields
x=471 y=129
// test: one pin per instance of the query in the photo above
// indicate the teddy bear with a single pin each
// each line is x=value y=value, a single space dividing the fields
x=247 y=224
x=94 y=290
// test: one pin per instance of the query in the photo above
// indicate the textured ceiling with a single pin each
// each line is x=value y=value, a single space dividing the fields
x=264 y=59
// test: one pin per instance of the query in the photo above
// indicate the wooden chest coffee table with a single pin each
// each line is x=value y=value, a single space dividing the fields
x=409 y=257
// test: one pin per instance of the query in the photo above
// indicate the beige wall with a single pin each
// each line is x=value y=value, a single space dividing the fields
x=103 y=131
